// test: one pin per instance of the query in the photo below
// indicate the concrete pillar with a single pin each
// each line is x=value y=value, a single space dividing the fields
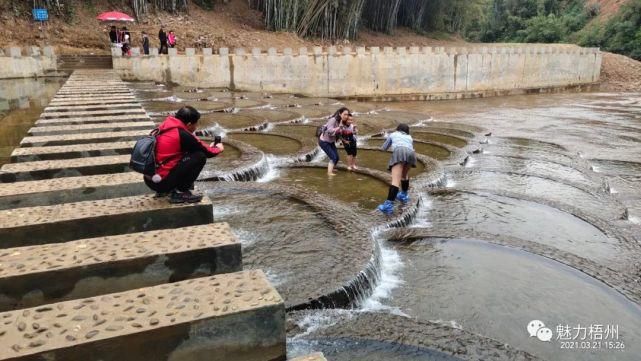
x=302 y=51
x=239 y=51
x=427 y=50
x=207 y=51
x=256 y=52
x=190 y=51
x=173 y=52
x=116 y=52
x=35 y=51
x=375 y=50
x=318 y=50
x=360 y=50
x=153 y=51
x=287 y=52
x=414 y=50
x=347 y=50
x=388 y=50
x=272 y=52
x=331 y=50
x=48 y=51
x=15 y=52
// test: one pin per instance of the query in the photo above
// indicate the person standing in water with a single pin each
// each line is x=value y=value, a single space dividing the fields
x=348 y=138
x=327 y=138
x=403 y=157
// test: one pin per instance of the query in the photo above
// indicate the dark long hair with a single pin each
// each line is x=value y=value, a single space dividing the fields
x=337 y=115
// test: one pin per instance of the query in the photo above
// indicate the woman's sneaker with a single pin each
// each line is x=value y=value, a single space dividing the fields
x=403 y=197
x=184 y=197
x=387 y=207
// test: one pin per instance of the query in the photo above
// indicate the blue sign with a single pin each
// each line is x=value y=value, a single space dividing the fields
x=40 y=14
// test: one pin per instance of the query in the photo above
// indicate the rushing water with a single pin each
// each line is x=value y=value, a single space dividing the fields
x=556 y=174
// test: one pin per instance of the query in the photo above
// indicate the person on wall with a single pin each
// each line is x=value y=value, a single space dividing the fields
x=327 y=137
x=180 y=157
x=113 y=35
x=403 y=157
x=145 y=43
x=162 y=36
x=171 y=39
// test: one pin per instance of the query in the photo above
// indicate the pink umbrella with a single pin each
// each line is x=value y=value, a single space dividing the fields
x=114 y=16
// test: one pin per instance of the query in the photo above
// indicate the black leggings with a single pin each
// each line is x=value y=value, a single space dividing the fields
x=182 y=176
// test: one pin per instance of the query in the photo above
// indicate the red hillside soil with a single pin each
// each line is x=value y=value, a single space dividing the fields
x=607 y=8
x=620 y=73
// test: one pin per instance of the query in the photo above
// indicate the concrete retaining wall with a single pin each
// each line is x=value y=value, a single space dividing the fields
x=371 y=72
x=16 y=62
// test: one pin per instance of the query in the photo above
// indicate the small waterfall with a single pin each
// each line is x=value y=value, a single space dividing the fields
x=245 y=174
x=319 y=157
x=272 y=171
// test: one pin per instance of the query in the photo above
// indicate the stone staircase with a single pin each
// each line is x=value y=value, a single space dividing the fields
x=74 y=62
x=93 y=266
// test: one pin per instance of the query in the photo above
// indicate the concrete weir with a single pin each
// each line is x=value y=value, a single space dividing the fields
x=164 y=282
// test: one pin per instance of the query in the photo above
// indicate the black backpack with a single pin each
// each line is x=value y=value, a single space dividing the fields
x=143 y=156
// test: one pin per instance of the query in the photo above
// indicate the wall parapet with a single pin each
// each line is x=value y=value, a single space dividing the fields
x=32 y=62
x=372 y=71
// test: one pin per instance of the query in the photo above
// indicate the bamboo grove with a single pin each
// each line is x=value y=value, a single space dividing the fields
x=341 y=19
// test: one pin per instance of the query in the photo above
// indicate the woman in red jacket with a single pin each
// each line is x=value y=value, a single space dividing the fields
x=180 y=156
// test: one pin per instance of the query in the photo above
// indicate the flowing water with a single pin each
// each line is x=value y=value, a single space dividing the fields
x=541 y=221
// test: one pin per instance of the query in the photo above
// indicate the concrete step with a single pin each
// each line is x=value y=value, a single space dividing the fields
x=236 y=316
x=69 y=108
x=93 y=98
x=92 y=91
x=47 y=169
x=31 y=154
x=85 y=138
x=90 y=128
x=71 y=189
x=33 y=225
x=35 y=275
x=94 y=119
x=317 y=356
x=99 y=101
x=88 y=113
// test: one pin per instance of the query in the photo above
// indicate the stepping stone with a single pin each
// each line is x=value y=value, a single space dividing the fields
x=91 y=128
x=33 y=225
x=31 y=154
x=85 y=138
x=71 y=189
x=35 y=275
x=91 y=112
x=95 y=98
x=318 y=356
x=235 y=316
x=127 y=100
x=69 y=108
x=94 y=119
x=46 y=169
